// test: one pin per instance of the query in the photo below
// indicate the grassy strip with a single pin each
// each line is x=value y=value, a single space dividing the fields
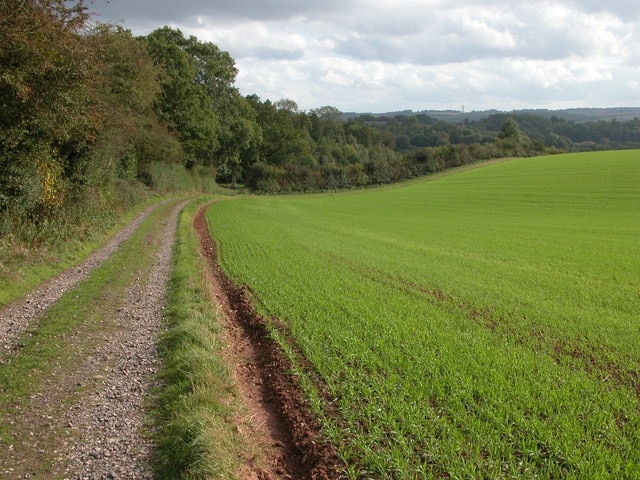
x=194 y=440
x=68 y=331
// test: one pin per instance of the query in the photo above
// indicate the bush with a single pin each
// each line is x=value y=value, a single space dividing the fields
x=263 y=178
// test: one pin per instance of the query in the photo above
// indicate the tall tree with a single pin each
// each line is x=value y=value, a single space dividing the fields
x=286 y=104
x=183 y=104
x=131 y=136
x=512 y=140
x=326 y=122
x=48 y=100
x=284 y=140
x=197 y=91
x=240 y=139
x=215 y=72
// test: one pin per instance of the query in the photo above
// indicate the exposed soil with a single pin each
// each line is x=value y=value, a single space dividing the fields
x=281 y=420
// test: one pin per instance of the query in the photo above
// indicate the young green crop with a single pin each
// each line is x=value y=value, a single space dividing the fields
x=481 y=325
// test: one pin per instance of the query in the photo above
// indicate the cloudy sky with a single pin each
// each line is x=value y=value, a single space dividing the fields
x=388 y=55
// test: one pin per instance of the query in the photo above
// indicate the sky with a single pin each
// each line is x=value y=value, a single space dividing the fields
x=391 y=55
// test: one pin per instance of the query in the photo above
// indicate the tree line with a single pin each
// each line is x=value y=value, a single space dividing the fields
x=318 y=150
x=94 y=118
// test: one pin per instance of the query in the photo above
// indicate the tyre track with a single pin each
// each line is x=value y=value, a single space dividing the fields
x=109 y=424
x=88 y=420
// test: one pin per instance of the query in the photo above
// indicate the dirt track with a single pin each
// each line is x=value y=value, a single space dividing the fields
x=19 y=316
x=284 y=425
x=86 y=419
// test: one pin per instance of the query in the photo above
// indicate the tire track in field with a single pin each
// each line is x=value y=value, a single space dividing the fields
x=19 y=316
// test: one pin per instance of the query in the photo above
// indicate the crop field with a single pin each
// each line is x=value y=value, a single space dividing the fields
x=484 y=324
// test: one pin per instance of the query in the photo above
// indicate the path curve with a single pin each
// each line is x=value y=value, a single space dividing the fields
x=19 y=316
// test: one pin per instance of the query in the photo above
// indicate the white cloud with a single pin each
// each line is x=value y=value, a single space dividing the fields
x=398 y=54
x=486 y=35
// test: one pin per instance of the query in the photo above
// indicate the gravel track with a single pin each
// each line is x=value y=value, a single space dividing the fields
x=95 y=412
x=110 y=441
x=19 y=316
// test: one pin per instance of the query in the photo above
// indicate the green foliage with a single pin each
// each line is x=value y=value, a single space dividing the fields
x=115 y=105
x=287 y=104
x=468 y=327
x=240 y=139
x=316 y=151
x=130 y=136
x=46 y=93
x=283 y=141
x=512 y=141
x=83 y=130
x=262 y=177
x=301 y=152
x=175 y=178
x=196 y=91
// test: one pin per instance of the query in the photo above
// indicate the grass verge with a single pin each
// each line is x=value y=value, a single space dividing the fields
x=196 y=397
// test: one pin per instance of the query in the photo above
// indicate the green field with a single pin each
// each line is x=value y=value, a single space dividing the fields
x=484 y=324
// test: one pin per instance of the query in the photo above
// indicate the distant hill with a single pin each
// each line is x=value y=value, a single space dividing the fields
x=578 y=115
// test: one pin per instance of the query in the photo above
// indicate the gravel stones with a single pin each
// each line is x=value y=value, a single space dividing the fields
x=22 y=314
x=110 y=423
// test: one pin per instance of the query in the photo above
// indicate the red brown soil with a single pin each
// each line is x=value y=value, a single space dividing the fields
x=281 y=419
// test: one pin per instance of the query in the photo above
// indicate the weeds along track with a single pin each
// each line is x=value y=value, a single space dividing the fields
x=20 y=315
x=301 y=453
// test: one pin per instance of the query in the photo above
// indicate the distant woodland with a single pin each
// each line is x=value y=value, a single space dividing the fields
x=94 y=120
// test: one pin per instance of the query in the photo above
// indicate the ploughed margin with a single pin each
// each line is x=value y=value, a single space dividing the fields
x=303 y=453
